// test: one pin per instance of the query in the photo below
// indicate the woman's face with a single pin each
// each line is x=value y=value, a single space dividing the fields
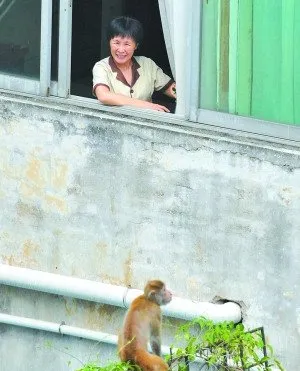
x=122 y=49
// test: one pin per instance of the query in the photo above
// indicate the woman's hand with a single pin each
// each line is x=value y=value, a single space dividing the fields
x=171 y=91
x=157 y=107
x=106 y=97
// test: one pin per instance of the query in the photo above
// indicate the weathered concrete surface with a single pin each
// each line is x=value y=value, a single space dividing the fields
x=120 y=200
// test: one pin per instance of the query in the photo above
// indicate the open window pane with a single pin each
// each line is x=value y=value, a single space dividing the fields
x=88 y=39
x=250 y=57
x=20 y=30
x=90 y=19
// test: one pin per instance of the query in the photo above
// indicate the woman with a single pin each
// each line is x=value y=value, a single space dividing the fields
x=123 y=79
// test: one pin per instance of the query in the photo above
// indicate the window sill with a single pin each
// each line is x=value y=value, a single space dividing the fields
x=215 y=126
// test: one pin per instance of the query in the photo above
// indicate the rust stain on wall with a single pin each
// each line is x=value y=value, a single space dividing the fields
x=11 y=260
x=30 y=190
x=70 y=306
x=60 y=172
x=128 y=270
x=30 y=248
x=108 y=279
x=24 y=256
x=40 y=181
x=33 y=172
x=92 y=318
x=107 y=310
x=100 y=316
x=19 y=261
x=102 y=248
x=56 y=202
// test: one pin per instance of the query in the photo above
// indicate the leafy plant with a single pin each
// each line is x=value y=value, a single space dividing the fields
x=217 y=346
x=222 y=346
x=115 y=366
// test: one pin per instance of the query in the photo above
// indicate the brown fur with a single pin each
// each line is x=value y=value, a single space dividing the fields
x=143 y=324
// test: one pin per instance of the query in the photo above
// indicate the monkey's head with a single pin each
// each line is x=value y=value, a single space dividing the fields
x=155 y=290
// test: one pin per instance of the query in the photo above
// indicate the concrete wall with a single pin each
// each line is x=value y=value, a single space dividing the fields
x=120 y=200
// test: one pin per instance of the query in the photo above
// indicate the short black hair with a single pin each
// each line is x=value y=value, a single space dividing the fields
x=125 y=27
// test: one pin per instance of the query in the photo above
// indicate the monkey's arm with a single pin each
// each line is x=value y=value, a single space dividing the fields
x=156 y=347
x=155 y=340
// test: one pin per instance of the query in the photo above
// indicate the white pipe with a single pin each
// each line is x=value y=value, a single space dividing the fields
x=63 y=329
x=112 y=295
x=58 y=328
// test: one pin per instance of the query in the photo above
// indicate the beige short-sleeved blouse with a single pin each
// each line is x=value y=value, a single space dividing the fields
x=147 y=77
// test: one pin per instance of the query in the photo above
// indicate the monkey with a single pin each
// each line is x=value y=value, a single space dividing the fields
x=142 y=324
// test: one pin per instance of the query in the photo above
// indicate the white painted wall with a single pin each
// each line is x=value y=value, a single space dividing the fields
x=118 y=200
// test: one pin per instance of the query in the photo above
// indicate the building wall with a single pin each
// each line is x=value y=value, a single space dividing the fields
x=120 y=200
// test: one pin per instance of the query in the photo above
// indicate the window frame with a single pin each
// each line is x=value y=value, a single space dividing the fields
x=194 y=80
x=238 y=123
x=45 y=49
x=64 y=48
x=29 y=85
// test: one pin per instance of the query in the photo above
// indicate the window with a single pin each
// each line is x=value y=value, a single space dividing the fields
x=20 y=23
x=25 y=41
x=89 y=21
x=250 y=57
x=235 y=62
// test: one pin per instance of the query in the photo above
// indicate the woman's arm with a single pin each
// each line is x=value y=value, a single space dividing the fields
x=105 y=96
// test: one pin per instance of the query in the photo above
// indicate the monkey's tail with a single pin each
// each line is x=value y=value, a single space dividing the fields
x=150 y=362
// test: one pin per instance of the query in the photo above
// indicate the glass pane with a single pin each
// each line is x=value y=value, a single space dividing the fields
x=250 y=57
x=20 y=30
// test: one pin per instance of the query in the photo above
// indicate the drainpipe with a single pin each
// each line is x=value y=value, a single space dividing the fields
x=112 y=295
x=58 y=328
x=63 y=329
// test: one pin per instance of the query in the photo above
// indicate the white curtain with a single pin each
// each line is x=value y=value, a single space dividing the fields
x=176 y=22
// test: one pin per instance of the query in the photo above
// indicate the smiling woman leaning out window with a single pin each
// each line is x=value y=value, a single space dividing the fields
x=124 y=79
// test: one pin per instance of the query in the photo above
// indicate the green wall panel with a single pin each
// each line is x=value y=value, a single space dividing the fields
x=287 y=62
x=244 y=59
x=296 y=66
x=266 y=59
x=208 y=89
